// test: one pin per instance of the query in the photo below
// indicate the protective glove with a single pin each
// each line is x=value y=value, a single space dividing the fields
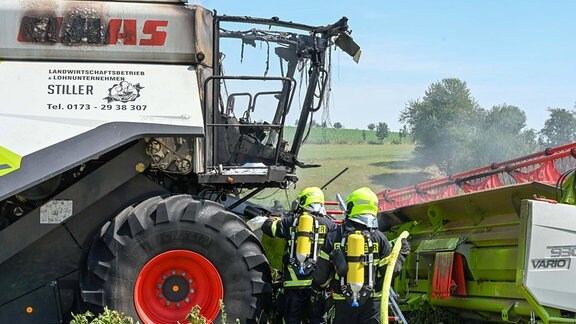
x=406 y=247
x=338 y=259
x=404 y=251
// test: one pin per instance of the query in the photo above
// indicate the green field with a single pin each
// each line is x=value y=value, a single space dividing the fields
x=378 y=166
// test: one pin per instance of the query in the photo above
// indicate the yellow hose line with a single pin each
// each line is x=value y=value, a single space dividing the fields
x=391 y=261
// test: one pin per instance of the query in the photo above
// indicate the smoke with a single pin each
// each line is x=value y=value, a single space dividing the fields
x=493 y=135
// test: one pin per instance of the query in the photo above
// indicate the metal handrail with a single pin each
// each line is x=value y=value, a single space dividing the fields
x=288 y=83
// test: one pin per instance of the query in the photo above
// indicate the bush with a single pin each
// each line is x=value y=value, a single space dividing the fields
x=195 y=317
x=116 y=317
x=108 y=317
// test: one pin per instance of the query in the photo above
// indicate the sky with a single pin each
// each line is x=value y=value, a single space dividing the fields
x=519 y=53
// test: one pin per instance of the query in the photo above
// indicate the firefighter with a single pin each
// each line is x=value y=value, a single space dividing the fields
x=350 y=261
x=304 y=228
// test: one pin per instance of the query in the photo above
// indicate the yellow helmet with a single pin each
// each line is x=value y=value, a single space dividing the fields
x=361 y=202
x=310 y=196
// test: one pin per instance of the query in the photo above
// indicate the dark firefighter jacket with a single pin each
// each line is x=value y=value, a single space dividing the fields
x=282 y=227
x=325 y=273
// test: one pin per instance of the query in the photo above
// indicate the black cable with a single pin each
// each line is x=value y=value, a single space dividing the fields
x=560 y=183
x=270 y=195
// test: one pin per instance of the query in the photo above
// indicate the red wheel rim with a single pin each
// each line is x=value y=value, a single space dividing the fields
x=173 y=282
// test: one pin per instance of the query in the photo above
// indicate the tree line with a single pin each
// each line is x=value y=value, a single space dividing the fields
x=382 y=131
x=452 y=131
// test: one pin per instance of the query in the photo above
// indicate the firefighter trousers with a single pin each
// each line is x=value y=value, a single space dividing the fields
x=367 y=313
x=303 y=305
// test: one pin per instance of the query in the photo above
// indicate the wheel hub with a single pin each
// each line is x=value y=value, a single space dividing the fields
x=176 y=288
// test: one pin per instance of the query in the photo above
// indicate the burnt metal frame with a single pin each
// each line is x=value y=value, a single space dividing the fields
x=318 y=43
x=315 y=52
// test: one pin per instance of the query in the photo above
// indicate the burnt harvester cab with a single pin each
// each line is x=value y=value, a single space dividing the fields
x=126 y=160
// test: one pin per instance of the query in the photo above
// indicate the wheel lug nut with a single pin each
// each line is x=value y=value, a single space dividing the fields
x=173 y=272
x=159 y=286
x=160 y=296
x=189 y=280
x=187 y=299
x=164 y=277
x=178 y=305
x=183 y=274
x=167 y=303
x=191 y=290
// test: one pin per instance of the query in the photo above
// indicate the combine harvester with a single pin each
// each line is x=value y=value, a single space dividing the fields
x=127 y=157
x=492 y=244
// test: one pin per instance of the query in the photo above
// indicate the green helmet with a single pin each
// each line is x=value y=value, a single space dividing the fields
x=309 y=197
x=362 y=201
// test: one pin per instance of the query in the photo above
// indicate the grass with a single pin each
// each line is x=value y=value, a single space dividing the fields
x=378 y=166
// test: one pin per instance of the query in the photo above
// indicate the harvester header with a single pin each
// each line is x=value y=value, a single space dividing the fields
x=490 y=244
x=544 y=167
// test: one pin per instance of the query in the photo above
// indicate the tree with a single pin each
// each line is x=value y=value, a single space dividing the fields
x=503 y=135
x=444 y=104
x=454 y=133
x=382 y=131
x=559 y=128
x=371 y=126
x=440 y=121
x=403 y=133
x=338 y=125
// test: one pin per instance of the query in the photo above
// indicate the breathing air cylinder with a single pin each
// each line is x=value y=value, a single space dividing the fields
x=304 y=239
x=355 y=275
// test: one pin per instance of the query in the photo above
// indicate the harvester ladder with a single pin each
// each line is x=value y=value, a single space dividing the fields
x=393 y=304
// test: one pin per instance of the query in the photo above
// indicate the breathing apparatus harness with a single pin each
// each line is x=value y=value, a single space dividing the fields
x=359 y=257
x=359 y=250
x=304 y=238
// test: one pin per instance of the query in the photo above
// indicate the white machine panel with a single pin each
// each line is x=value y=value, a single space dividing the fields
x=550 y=269
x=44 y=103
x=99 y=31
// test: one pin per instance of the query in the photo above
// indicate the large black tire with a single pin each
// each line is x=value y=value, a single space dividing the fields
x=128 y=244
